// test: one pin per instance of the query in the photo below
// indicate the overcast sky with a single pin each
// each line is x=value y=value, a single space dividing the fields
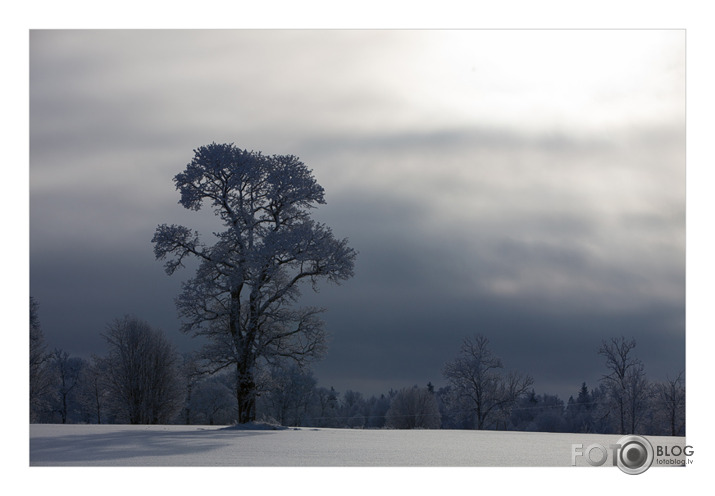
x=526 y=185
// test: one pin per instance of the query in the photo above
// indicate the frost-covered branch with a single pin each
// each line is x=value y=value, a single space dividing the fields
x=178 y=241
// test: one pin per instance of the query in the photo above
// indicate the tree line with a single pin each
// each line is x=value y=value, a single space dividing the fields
x=142 y=379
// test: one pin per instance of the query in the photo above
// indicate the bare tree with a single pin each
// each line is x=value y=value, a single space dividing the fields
x=142 y=373
x=626 y=382
x=352 y=411
x=670 y=401
x=327 y=407
x=413 y=408
x=40 y=378
x=67 y=371
x=639 y=394
x=290 y=392
x=93 y=390
x=192 y=374
x=476 y=376
x=211 y=401
x=242 y=294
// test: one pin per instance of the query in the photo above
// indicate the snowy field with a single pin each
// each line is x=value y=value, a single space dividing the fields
x=211 y=446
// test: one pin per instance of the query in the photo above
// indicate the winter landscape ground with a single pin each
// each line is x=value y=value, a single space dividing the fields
x=204 y=446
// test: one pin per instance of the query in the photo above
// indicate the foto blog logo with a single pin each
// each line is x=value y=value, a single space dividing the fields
x=632 y=454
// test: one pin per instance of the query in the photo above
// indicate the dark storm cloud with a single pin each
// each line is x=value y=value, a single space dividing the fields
x=546 y=238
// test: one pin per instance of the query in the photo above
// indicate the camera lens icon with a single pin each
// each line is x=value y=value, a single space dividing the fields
x=636 y=454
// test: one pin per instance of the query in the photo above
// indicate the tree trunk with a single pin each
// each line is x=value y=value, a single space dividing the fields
x=245 y=383
x=187 y=408
x=63 y=413
x=245 y=394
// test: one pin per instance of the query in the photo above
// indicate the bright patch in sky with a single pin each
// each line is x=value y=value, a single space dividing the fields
x=553 y=80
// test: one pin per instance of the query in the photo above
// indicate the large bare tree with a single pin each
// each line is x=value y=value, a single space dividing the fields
x=478 y=379
x=242 y=295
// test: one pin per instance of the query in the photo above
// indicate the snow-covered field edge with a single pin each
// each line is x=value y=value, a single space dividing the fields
x=207 y=459
x=263 y=446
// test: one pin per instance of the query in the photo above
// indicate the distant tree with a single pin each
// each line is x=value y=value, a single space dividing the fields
x=476 y=376
x=142 y=373
x=551 y=414
x=578 y=415
x=378 y=411
x=414 y=408
x=639 y=394
x=290 y=394
x=353 y=410
x=584 y=398
x=192 y=374
x=524 y=412
x=625 y=382
x=326 y=408
x=669 y=399
x=456 y=410
x=538 y=413
x=93 y=393
x=40 y=378
x=242 y=294
x=212 y=401
x=67 y=371
x=602 y=412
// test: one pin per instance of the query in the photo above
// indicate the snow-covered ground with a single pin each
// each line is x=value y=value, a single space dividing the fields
x=205 y=446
